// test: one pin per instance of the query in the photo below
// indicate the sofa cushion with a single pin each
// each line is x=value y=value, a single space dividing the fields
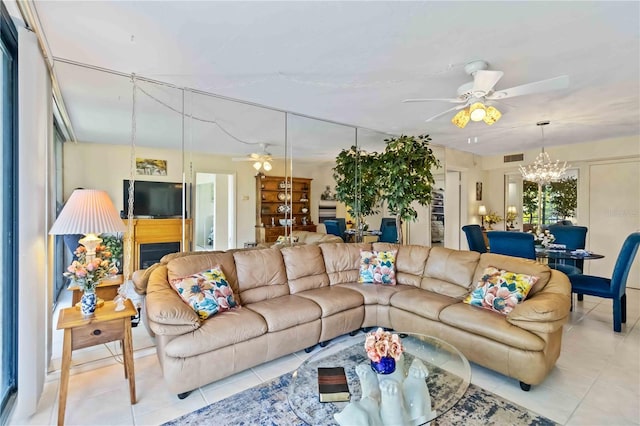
x=410 y=261
x=182 y=266
x=377 y=267
x=500 y=290
x=491 y=325
x=224 y=329
x=207 y=292
x=334 y=299
x=509 y=263
x=305 y=268
x=308 y=237
x=261 y=275
x=342 y=261
x=422 y=302
x=450 y=272
x=285 y=312
x=376 y=293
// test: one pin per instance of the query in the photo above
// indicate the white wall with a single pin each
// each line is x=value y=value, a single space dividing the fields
x=36 y=211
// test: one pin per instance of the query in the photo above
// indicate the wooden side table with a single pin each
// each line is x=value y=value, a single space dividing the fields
x=105 y=326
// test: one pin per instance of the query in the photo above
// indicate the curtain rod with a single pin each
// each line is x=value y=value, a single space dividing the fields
x=213 y=95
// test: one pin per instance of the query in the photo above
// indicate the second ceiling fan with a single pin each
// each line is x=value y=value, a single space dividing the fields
x=474 y=98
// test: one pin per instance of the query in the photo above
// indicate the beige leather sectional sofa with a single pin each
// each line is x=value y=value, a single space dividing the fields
x=296 y=297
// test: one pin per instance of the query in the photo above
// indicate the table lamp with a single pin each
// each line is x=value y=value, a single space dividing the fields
x=89 y=212
x=482 y=211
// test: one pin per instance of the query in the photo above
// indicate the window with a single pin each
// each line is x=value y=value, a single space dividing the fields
x=559 y=200
x=8 y=206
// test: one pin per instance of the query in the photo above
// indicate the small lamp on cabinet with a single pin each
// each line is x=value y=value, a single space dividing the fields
x=482 y=211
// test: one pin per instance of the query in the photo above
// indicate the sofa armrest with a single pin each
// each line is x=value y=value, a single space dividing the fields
x=140 y=279
x=166 y=308
x=547 y=310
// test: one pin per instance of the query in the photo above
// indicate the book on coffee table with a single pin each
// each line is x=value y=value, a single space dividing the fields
x=332 y=384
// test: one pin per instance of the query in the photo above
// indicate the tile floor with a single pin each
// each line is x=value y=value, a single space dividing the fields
x=595 y=382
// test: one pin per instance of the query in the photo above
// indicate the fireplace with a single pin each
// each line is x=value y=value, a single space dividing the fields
x=152 y=253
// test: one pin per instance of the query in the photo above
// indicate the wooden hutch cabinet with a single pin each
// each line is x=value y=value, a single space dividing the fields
x=279 y=199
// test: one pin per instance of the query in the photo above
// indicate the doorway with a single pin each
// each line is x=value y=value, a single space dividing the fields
x=214 y=218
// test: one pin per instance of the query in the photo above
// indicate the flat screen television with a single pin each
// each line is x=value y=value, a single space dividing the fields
x=154 y=199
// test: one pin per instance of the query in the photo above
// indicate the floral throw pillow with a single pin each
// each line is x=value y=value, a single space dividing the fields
x=500 y=291
x=378 y=267
x=207 y=292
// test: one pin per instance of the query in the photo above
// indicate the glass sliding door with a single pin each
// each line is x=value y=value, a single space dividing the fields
x=8 y=203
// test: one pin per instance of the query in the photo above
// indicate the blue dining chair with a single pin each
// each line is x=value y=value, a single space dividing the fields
x=333 y=228
x=574 y=238
x=475 y=239
x=388 y=231
x=614 y=288
x=516 y=244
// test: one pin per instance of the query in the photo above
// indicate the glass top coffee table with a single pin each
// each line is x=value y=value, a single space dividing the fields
x=448 y=379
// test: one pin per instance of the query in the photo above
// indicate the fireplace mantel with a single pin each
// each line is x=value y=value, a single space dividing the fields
x=148 y=231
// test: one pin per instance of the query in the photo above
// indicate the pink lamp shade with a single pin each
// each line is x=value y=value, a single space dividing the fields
x=89 y=212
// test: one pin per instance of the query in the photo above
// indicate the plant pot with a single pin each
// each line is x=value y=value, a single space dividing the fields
x=386 y=365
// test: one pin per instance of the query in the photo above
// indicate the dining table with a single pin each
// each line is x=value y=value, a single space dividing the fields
x=557 y=254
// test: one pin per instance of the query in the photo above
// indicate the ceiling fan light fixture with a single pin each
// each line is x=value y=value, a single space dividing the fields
x=461 y=118
x=267 y=166
x=492 y=116
x=257 y=165
x=477 y=111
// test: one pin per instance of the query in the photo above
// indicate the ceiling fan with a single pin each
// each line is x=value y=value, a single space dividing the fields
x=260 y=159
x=474 y=98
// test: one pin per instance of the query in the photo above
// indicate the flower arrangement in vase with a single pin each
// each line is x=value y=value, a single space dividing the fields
x=492 y=218
x=86 y=274
x=383 y=349
x=543 y=238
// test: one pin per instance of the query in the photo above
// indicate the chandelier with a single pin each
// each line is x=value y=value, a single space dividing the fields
x=543 y=170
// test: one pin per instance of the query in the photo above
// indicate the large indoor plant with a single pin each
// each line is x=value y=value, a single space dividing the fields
x=405 y=176
x=356 y=182
x=399 y=176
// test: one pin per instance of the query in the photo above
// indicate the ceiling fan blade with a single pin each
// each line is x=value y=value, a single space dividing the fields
x=452 y=100
x=455 y=108
x=484 y=80
x=555 y=83
x=243 y=159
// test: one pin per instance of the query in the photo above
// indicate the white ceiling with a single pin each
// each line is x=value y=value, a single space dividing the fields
x=350 y=62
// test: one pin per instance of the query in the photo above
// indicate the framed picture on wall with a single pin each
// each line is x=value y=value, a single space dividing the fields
x=478 y=191
x=147 y=166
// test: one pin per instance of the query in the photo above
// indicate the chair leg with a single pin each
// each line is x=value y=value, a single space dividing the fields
x=617 y=315
x=580 y=297
x=623 y=308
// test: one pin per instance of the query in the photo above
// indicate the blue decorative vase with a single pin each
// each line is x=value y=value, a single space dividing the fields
x=386 y=365
x=88 y=303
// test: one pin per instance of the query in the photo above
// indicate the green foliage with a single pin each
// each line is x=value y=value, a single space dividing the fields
x=399 y=176
x=529 y=200
x=559 y=199
x=564 y=197
x=113 y=244
x=405 y=174
x=357 y=169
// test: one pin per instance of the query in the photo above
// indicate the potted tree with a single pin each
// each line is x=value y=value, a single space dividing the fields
x=356 y=182
x=399 y=176
x=405 y=176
